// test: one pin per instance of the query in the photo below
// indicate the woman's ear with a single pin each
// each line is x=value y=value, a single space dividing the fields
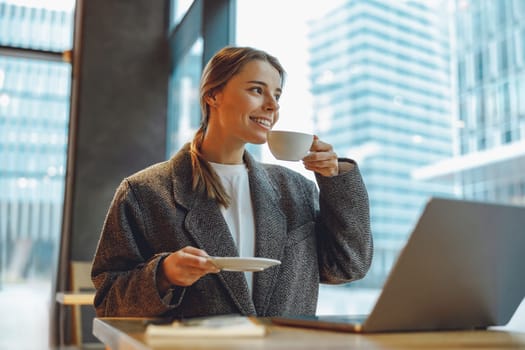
x=210 y=100
x=214 y=99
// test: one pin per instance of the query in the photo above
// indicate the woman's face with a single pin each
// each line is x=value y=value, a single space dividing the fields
x=247 y=107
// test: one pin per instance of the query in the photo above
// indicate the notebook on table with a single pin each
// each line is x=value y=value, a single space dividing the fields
x=461 y=268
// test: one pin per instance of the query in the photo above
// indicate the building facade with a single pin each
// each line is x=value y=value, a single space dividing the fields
x=380 y=72
x=489 y=158
x=34 y=111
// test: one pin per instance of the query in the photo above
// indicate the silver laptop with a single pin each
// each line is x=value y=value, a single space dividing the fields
x=462 y=268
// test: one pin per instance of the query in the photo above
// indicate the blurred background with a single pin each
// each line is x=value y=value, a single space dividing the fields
x=428 y=96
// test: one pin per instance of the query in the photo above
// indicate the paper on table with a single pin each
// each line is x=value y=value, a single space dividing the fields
x=212 y=326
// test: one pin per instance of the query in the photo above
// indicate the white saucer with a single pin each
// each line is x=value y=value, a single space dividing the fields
x=242 y=264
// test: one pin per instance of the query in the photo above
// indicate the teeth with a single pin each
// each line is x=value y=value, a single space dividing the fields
x=262 y=121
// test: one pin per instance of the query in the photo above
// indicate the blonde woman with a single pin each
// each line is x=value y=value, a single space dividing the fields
x=213 y=198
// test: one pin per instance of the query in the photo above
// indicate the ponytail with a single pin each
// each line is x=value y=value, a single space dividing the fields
x=205 y=179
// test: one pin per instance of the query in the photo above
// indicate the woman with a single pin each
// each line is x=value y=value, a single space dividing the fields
x=213 y=198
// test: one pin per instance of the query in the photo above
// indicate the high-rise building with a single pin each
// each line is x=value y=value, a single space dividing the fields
x=380 y=72
x=34 y=110
x=489 y=159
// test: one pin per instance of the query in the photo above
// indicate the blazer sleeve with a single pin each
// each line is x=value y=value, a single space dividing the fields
x=124 y=268
x=344 y=239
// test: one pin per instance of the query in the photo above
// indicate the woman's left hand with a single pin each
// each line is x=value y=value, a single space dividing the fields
x=322 y=159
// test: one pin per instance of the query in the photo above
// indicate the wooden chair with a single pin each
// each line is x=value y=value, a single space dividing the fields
x=82 y=292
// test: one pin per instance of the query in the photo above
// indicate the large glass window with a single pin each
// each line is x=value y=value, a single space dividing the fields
x=374 y=79
x=191 y=46
x=178 y=10
x=184 y=111
x=34 y=113
x=398 y=86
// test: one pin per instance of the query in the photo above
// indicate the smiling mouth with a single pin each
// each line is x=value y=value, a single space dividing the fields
x=262 y=121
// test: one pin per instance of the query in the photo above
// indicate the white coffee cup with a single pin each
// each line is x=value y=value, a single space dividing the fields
x=289 y=145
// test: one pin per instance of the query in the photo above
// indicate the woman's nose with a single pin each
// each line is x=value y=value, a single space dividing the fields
x=271 y=103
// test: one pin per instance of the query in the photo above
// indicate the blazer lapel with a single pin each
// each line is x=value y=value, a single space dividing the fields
x=270 y=232
x=206 y=225
x=208 y=228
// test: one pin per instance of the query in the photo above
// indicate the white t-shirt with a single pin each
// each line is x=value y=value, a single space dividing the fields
x=239 y=215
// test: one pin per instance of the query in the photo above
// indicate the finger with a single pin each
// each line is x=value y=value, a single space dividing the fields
x=185 y=275
x=195 y=254
x=323 y=167
x=195 y=261
x=327 y=167
x=194 y=251
x=320 y=146
x=206 y=263
x=313 y=157
x=324 y=164
x=314 y=143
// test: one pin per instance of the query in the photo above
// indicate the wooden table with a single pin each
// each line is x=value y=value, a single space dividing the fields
x=128 y=333
x=71 y=298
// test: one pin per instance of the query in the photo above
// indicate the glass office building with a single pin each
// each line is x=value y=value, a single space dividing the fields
x=34 y=110
x=489 y=160
x=380 y=77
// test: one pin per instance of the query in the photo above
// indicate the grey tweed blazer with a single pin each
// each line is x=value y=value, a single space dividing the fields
x=319 y=236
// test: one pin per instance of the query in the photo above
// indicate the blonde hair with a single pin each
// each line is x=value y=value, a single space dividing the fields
x=225 y=64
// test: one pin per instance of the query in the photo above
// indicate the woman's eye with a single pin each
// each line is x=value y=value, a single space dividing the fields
x=257 y=90
x=277 y=97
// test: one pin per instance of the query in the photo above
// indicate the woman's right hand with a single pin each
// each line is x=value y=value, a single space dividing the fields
x=184 y=267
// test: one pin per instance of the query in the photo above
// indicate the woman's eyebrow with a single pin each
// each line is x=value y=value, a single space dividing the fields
x=261 y=83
